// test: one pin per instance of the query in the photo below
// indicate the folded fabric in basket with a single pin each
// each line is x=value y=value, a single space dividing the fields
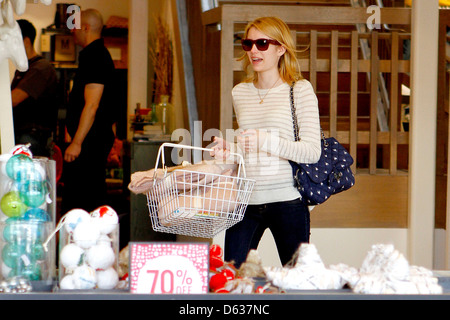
x=210 y=201
x=142 y=181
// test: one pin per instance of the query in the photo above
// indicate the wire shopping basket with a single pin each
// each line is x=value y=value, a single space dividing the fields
x=198 y=204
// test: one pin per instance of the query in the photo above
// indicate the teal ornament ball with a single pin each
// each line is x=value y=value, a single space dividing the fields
x=20 y=167
x=23 y=232
x=35 y=251
x=12 y=205
x=13 y=255
x=32 y=193
x=37 y=214
x=31 y=272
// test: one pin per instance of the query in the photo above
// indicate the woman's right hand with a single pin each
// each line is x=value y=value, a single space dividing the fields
x=221 y=149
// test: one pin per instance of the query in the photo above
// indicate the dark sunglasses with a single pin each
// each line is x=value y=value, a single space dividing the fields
x=261 y=44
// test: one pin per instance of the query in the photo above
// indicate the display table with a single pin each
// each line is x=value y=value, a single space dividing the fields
x=225 y=298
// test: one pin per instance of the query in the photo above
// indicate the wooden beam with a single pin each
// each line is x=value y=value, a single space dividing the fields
x=374 y=72
x=393 y=117
x=314 y=14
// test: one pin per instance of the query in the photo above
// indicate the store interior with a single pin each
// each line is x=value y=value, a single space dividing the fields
x=401 y=197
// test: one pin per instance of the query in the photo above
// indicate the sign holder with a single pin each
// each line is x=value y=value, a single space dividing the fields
x=169 y=267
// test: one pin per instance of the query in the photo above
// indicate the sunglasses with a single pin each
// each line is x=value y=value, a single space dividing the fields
x=261 y=44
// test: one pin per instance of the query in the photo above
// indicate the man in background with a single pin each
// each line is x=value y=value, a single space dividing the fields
x=33 y=92
x=90 y=118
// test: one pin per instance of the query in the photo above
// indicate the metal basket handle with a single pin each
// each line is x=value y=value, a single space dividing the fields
x=182 y=146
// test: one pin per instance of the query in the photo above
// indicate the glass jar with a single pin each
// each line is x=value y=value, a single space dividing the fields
x=165 y=115
x=27 y=219
x=88 y=257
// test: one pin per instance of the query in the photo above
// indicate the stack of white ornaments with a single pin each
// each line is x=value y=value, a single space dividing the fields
x=88 y=255
x=386 y=271
x=308 y=272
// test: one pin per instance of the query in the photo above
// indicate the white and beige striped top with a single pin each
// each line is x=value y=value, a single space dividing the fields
x=269 y=166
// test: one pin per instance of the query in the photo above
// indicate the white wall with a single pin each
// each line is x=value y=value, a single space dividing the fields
x=43 y=16
x=348 y=246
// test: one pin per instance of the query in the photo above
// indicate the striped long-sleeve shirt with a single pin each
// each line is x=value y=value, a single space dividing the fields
x=269 y=166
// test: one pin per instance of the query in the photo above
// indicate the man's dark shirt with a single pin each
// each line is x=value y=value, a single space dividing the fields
x=39 y=110
x=95 y=66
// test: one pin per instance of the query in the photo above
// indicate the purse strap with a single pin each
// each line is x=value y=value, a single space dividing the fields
x=294 y=115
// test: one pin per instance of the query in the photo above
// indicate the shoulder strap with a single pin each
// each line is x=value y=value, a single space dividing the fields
x=294 y=114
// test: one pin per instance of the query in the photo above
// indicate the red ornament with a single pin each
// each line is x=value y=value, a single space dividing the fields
x=222 y=290
x=217 y=281
x=215 y=250
x=259 y=290
x=228 y=274
x=215 y=262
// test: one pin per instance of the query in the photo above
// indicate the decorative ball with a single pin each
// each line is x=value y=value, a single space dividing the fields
x=12 y=205
x=67 y=283
x=22 y=149
x=20 y=167
x=36 y=251
x=12 y=230
x=86 y=234
x=71 y=256
x=107 y=279
x=217 y=281
x=74 y=217
x=37 y=214
x=5 y=270
x=13 y=255
x=104 y=240
x=106 y=217
x=33 y=192
x=22 y=231
x=100 y=257
x=31 y=271
x=84 y=278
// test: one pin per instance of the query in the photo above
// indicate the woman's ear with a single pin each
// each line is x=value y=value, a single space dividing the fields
x=281 y=50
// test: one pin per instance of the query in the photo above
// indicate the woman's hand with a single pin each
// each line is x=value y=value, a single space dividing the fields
x=251 y=140
x=221 y=150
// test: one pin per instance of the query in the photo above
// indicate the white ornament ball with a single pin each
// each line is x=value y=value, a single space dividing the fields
x=104 y=240
x=71 y=256
x=5 y=270
x=67 y=283
x=106 y=217
x=84 y=278
x=86 y=234
x=107 y=279
x=100 y=256
x=74 y=217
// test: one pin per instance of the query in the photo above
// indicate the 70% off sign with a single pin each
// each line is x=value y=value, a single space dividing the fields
x=170 y=283
x=173 y=269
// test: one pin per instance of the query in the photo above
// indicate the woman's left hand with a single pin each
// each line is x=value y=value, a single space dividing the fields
x=251 y=140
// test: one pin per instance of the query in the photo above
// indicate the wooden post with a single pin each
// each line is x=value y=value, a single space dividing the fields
x=422 y=142
x=137 y=58
x=6 y=118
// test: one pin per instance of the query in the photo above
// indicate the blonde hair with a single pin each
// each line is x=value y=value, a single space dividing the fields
x=277 y=29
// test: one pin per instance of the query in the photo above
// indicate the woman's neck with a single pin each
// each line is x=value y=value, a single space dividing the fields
x=267 y=80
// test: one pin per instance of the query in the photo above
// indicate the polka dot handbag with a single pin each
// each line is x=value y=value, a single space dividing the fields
x=330 y=175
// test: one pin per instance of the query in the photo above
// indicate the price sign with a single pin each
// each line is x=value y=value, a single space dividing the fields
x=174 y=268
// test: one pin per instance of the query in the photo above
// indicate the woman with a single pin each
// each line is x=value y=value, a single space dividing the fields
x=266 y=139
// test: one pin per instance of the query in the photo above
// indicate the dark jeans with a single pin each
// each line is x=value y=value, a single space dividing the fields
x=85 y=178
x=288 y=221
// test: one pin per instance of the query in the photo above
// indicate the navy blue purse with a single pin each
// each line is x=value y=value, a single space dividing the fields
x=330 y=175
